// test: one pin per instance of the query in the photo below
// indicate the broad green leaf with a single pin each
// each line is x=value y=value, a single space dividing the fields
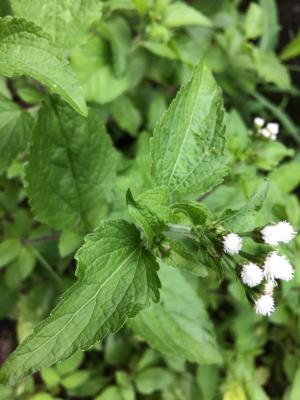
x=179 y=325
x=76 y=165
x=268 y=155
x=279 y=176
x=126 y=114
x=116 y=279
x=147 y=220
x=188 y=143
x=152 y=379
x=181 y=14
x=9 y=251
x=292 y=49
x=157 y=200
x=15 y=128
x=27 y=50
x=243 y=220
x=65 y=20
x=269 y=68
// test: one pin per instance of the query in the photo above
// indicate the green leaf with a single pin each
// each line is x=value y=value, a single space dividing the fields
x=253 y=25
x=150 y=223
x=271 y=27
x=152 y=379
x=126 y=114
x=27 y=50
x=181 y=14
x=9 y=251
x=179 y=325
x=157 y=200
x=76 y=166
x=188 y=143
x=279 y=176
x=292 y=49
x=197 y=212
x=295 y=389
x=92 y=64
x=116 y=279
x=243 y=220
x=117 y=32
x=65 y=20
x=15 y=128
x=268 y=155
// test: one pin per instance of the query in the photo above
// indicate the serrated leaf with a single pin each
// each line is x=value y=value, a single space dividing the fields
x=65 y=20
x=188 y=143
x=157 y=200
x=179 y=325
x=243 y=220
x=181 y=14
x=116 y=279
x=146 y=219
x=71 y=166
x=27 y=50
x=15 y=128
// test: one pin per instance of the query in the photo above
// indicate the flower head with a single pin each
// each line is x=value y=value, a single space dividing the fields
x=281 y=232
x=251 y=274
x=270 y=131
x=259 y=122
x=232 y=243
x=273 y=128
x=264 y=305
x=278 y=267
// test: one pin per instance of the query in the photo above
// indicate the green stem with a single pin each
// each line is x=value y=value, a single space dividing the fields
x=47 y=266
x=183 y=229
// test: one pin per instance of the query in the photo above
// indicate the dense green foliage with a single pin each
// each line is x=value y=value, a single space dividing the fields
x=128 y=153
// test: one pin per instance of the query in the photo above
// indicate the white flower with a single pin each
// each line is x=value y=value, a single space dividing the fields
x=232 y=243
x=266 y=133
x=264 y=305
x=251 y=274
x=259 y=122
x=278 y=267
x=281 y=232
x=273 y=128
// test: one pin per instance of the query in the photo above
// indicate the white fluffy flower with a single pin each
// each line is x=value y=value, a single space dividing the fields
x=264 y=305
x=266 y=133
x=278 y=267
x=281 y=232
x=270 y=131
x=273 y=128
x=232 y=243
x=251 y=274
x=259 y=122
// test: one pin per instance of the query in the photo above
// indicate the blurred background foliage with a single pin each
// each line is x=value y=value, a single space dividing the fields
x=131 y=58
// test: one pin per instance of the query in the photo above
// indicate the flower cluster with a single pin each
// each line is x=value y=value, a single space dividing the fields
x=269 y=130
x=272 y=268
